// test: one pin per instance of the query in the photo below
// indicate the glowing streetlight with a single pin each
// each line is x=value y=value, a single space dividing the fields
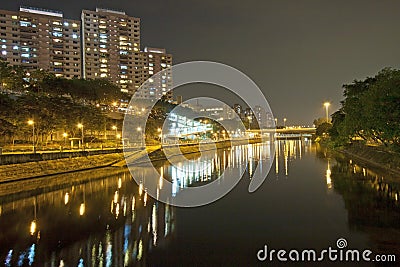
x=80 y=126
x=31 y=122
x=139 y=129
x=284 y=122
x=250 y=119
x=65 y=138
x=276 y=122
x=160 y=134
x=326 y=105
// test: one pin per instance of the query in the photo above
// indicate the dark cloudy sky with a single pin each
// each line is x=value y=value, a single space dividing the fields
x=298 y=52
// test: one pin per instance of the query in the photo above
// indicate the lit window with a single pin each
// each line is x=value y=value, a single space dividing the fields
x=57 y=34
x=24 y=23
x=66 y=24
x=74 y=36
x=4 y=53
x=4 y=46
x=74 y=25
x=15 y=47
x=14 y=17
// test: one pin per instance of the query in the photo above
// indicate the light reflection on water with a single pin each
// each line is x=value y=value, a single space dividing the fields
x=111 y=221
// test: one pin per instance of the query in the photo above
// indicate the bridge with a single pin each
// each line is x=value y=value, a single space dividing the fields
x=287 y=133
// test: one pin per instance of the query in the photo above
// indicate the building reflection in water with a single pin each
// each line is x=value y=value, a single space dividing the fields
x=112 y=221
x=199 y=170
x=106 y=221
x=289 y=150
x=77 y=226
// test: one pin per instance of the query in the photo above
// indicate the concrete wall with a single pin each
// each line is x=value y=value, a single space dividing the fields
x=35 y=157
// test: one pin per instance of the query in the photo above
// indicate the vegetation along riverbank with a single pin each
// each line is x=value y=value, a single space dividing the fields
x=367 y=125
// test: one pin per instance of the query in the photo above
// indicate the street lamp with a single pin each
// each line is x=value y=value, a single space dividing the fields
x=276 y=122
x=139 y=129
x=249 y=118
x=327 y=104
x=80 y=126
x=284 y=122
x=116 y=135
x=160 y=134
x=31 y=122
x=65 y=138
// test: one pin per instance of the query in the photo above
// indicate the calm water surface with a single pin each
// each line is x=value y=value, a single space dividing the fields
x=103 y=218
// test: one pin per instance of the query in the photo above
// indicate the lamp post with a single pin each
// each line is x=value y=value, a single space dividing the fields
x=250 y=119
x=327 y=104
x=139 y=129
x=65 y=138
x=31 y=122
x=116 y=138
x=159 y=130
x=276 y=122
x=80 y=126
x=284 y=122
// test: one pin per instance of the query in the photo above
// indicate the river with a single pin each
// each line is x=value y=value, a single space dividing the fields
x=310 y=199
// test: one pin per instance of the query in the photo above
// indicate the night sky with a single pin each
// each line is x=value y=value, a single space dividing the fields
x=298 y=52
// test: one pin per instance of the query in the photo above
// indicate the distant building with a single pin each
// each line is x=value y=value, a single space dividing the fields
x=154 y=60
x=111 y=47
x=41 y=39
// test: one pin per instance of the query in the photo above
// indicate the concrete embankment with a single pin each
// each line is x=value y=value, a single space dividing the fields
x=36 y=157
x=29 y=170
x=374 y=157
x=185 y=149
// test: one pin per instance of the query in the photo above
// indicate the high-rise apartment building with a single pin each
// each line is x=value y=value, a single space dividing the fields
x=111 y=47
x=154 y=60
x=41 y=39
x=104 y=44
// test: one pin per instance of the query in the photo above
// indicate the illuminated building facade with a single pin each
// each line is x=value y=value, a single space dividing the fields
x=111 y=47
x=41 y=39
x=154 y=60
